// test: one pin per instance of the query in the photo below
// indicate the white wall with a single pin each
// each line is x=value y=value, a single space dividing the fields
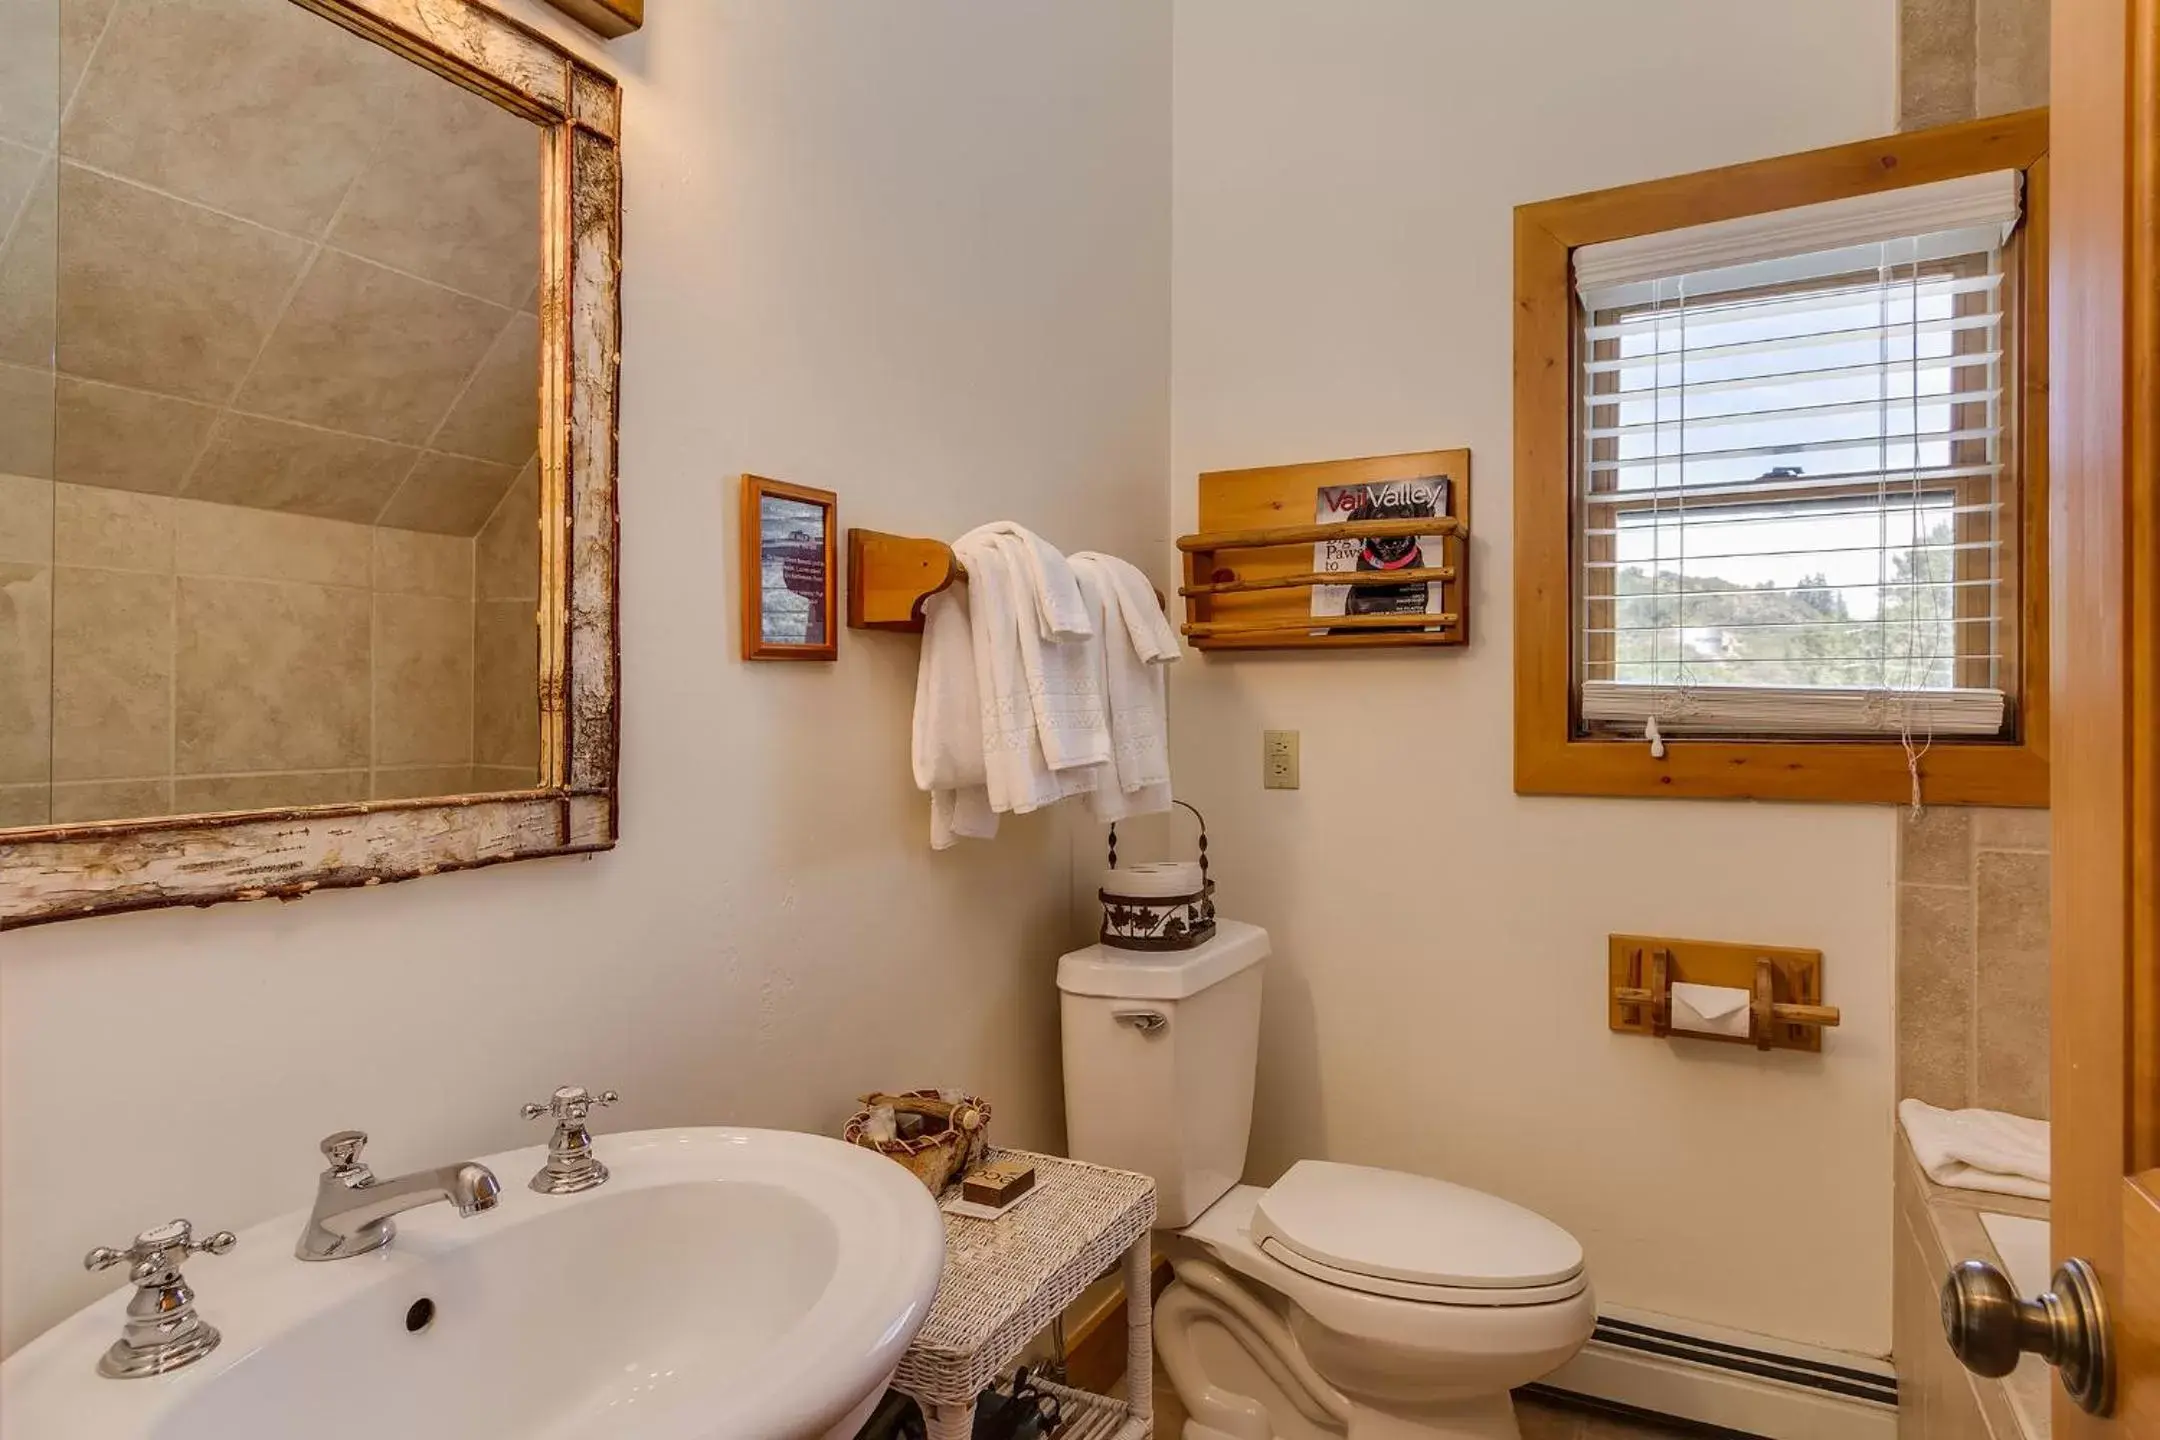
x=1343 y=184
x=916 y=254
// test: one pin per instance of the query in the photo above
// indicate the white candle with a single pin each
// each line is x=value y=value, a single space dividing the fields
x=1157 y=881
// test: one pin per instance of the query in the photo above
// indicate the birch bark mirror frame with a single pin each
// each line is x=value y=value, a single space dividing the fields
x=567 y=803
x=789 y=564
x=608 y=18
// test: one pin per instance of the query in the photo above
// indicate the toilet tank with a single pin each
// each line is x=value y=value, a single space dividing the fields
x=1160 y=1052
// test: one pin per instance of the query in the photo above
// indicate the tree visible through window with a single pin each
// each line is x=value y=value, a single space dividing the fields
x=1802 y=634
x=1791 y=480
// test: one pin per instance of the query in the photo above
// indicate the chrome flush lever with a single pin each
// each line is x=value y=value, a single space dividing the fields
x=163 y=1332
x=571 y=1165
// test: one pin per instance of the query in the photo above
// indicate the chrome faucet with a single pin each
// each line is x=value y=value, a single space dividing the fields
x=571 y=1165
x=163 y=1332
x=353 y=1208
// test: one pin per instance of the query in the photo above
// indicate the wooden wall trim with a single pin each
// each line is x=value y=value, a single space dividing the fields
x=1550 y=759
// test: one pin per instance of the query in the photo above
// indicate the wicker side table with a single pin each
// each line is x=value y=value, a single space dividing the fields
x=1005 y=1280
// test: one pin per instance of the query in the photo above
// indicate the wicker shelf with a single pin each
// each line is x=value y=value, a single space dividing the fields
x=1005 y=1280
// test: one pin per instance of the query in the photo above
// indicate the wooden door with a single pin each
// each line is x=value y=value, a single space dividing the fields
x=2104 y=407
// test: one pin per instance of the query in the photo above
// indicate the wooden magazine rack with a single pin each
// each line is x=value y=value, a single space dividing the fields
x=1250 y=573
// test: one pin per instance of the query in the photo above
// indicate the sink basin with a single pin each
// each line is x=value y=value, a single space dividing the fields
x=724 y=1283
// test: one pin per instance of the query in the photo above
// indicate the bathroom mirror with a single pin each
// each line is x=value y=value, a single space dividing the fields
x=308 y=356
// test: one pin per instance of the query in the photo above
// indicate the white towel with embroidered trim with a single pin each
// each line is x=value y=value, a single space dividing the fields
x=1136 y=643
x=1153 y=636
x=948 y=738
x=1040 y=700
x=1060 y=654
x=1979 y=1149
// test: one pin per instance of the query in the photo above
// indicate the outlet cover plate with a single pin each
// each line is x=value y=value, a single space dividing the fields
x=1279 y=759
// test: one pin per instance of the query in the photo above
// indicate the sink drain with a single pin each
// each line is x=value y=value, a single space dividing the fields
x=420 y=1315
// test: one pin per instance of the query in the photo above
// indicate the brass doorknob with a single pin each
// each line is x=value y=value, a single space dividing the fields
x=1989 y=1326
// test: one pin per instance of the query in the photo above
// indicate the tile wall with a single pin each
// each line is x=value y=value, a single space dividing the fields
x=1973 y=884
x=506 y=652
x=1960 y=59
x=1972 y=963
x=297 y=274
x=168 y=655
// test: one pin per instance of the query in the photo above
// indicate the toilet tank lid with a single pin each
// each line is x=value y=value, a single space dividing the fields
x=1103 y=970
x=1413 y=1228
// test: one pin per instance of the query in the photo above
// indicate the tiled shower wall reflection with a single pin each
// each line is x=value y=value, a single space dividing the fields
x=1972 y=959
x=162 y=655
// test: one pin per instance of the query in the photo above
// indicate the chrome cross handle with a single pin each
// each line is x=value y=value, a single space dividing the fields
x=570 y=1102
x=163 y=1332
x=571 y=1165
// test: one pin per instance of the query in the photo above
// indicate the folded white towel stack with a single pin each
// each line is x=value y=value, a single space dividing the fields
x=1042 y=680
x=1979 y=1149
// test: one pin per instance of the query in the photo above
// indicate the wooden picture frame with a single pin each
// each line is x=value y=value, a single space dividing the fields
x=774 y=575
x=69 y=871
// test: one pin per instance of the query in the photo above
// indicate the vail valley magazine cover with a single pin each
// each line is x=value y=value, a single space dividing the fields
x=1379 y=500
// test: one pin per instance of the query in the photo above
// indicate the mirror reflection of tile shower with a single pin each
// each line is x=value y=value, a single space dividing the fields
x=269 y=356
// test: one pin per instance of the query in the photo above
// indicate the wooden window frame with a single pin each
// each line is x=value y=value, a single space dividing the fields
x=1551 y=757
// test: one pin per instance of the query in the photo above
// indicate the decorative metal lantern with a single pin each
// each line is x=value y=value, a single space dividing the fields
x=1157 y=922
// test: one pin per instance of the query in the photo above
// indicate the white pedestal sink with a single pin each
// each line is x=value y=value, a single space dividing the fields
x=724 y=1283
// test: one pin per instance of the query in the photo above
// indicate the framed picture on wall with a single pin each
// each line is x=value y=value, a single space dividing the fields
x=789 y=571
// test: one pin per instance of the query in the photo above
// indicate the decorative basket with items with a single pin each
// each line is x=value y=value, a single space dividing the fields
x=1164 y=906
x=938 y=1135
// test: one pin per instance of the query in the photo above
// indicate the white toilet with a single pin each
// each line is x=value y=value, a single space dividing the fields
x=1341 y=1300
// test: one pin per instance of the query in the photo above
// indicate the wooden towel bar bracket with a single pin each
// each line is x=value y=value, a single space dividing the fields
x=890 y=576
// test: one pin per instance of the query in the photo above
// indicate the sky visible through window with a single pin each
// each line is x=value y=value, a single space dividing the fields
x=1790 y=483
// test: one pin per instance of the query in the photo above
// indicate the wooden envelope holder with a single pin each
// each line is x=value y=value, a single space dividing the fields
x=1785 y=1011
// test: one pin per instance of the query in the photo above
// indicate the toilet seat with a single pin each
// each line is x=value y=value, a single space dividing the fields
x=1422 y=1294
x=1383 y=1232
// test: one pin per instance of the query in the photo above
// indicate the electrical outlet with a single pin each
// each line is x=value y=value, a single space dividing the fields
x=1279 y=759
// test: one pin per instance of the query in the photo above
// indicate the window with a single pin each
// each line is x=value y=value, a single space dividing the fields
x=1786 y=540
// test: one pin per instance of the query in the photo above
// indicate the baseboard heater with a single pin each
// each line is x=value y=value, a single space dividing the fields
x=1728 y=1383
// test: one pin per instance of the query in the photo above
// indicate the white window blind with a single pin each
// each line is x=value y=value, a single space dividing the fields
x=1793 y=505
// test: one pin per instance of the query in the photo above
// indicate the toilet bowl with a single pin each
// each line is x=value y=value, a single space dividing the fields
x=1343 y=1300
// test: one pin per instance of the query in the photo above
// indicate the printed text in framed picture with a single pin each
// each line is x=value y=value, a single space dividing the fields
x=789 y=571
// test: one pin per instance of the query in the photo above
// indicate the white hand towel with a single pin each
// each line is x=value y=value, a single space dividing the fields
x=948 y=736
x=1137 y=781
x=1064 y=676
x=1015 y=775
x=1979 y=1149
x=1153 y=636
x=1059 y=612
